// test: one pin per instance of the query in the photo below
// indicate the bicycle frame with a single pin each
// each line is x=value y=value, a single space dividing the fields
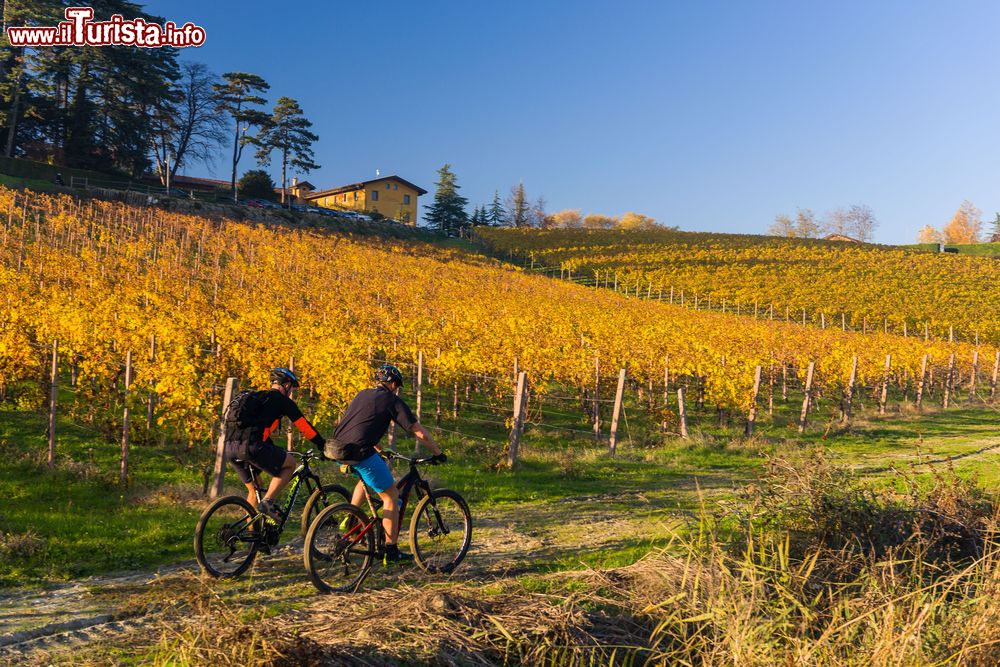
x=303 y=472
x=406 y=484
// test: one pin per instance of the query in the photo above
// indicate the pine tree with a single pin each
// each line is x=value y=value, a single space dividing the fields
x=497 y=216
x=236 y=98
x=447 y=214
x=287 y=131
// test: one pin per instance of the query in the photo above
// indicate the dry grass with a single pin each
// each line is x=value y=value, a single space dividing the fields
x=20 y=545
x=818 y=569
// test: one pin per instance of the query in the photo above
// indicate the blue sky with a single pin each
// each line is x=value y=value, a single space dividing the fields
x=706 y=115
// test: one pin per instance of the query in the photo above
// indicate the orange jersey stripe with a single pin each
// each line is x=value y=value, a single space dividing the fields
x=272 y=428
x=305 y=427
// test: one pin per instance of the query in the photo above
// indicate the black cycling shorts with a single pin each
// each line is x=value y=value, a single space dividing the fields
x=264 y=455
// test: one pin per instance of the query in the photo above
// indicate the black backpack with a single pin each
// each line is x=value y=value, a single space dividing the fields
x=245 y=415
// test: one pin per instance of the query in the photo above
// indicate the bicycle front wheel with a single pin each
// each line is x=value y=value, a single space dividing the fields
x=339 y=548
x=225 y=541
x=332 y=494
x=440 y=531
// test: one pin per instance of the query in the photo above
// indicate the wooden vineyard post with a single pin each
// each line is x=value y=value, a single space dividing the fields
x=392 y=430
x=220 y=446
x=975 y=372
x=682 y=420
x=151 y=400
x=291 y=437
x=993 y=379
x=597 y=402
x=784 y=381
x=807 y=397
x=770 y=390
x=53 y=397
x=514 y=442
x=885 y=385
x=920 y=381
x=437 y=390
x=849 y=392
x=123 y=478
x=752 y=416
x=420 y=383
x=619 y=392
x=947 y=379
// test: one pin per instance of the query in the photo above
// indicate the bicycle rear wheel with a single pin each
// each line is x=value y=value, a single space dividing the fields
x=440 y=531
x=225 y=542
x=335 y=494
x=339 y=548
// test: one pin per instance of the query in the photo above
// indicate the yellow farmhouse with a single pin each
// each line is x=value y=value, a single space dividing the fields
x=392 y=196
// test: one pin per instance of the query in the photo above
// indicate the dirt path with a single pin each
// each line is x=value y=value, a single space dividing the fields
x=43 y=626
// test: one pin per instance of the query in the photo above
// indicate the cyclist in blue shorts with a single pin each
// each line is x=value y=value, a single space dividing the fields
x=355 y=442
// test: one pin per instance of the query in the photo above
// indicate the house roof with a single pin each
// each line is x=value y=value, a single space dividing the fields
x=840 y=237
x=362 y=185
x=304 y=185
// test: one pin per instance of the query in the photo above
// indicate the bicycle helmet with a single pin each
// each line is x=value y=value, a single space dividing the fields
x=283 y=375
x=389 y=373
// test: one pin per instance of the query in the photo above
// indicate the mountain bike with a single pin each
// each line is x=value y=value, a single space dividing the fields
x=342 y=540
x=230 y=531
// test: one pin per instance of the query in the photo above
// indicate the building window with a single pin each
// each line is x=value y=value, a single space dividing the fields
x=395 y=186
x=374 y=195
x=355 y=196
x=387 y=186
x=406 y=199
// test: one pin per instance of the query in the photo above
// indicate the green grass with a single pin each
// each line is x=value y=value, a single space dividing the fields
x=29 y=183
x=85 y=521
x=981 y=249
x=43 y=171
x=77 y=520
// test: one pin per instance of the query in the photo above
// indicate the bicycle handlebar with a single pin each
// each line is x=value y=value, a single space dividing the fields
x=392 y=454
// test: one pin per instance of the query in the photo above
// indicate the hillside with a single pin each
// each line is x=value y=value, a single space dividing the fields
x=187 y=301
x=873 y=287
x=226 y=299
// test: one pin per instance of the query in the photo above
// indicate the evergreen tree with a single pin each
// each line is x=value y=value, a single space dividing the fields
x=496 y=216
x=237 y=98
x=478 y=216
x=447 y=214
x=287 y=131
x=257 y=183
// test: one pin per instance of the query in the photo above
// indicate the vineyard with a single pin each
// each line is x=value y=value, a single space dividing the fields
x=125 y=325
x=186 y=302
x=851 y=286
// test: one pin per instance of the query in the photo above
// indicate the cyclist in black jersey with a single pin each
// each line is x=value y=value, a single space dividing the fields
x=355 y=442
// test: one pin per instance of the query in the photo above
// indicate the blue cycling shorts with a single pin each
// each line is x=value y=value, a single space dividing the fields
x=375 y=473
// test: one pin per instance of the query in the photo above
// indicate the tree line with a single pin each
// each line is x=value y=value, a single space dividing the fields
x=966 y=226
x=448 y=212
x=857 y=222
x=130 y=110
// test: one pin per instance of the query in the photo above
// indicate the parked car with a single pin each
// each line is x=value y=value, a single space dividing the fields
x=252 y=203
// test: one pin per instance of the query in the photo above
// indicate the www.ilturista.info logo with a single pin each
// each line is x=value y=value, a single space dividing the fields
x=80 y=30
